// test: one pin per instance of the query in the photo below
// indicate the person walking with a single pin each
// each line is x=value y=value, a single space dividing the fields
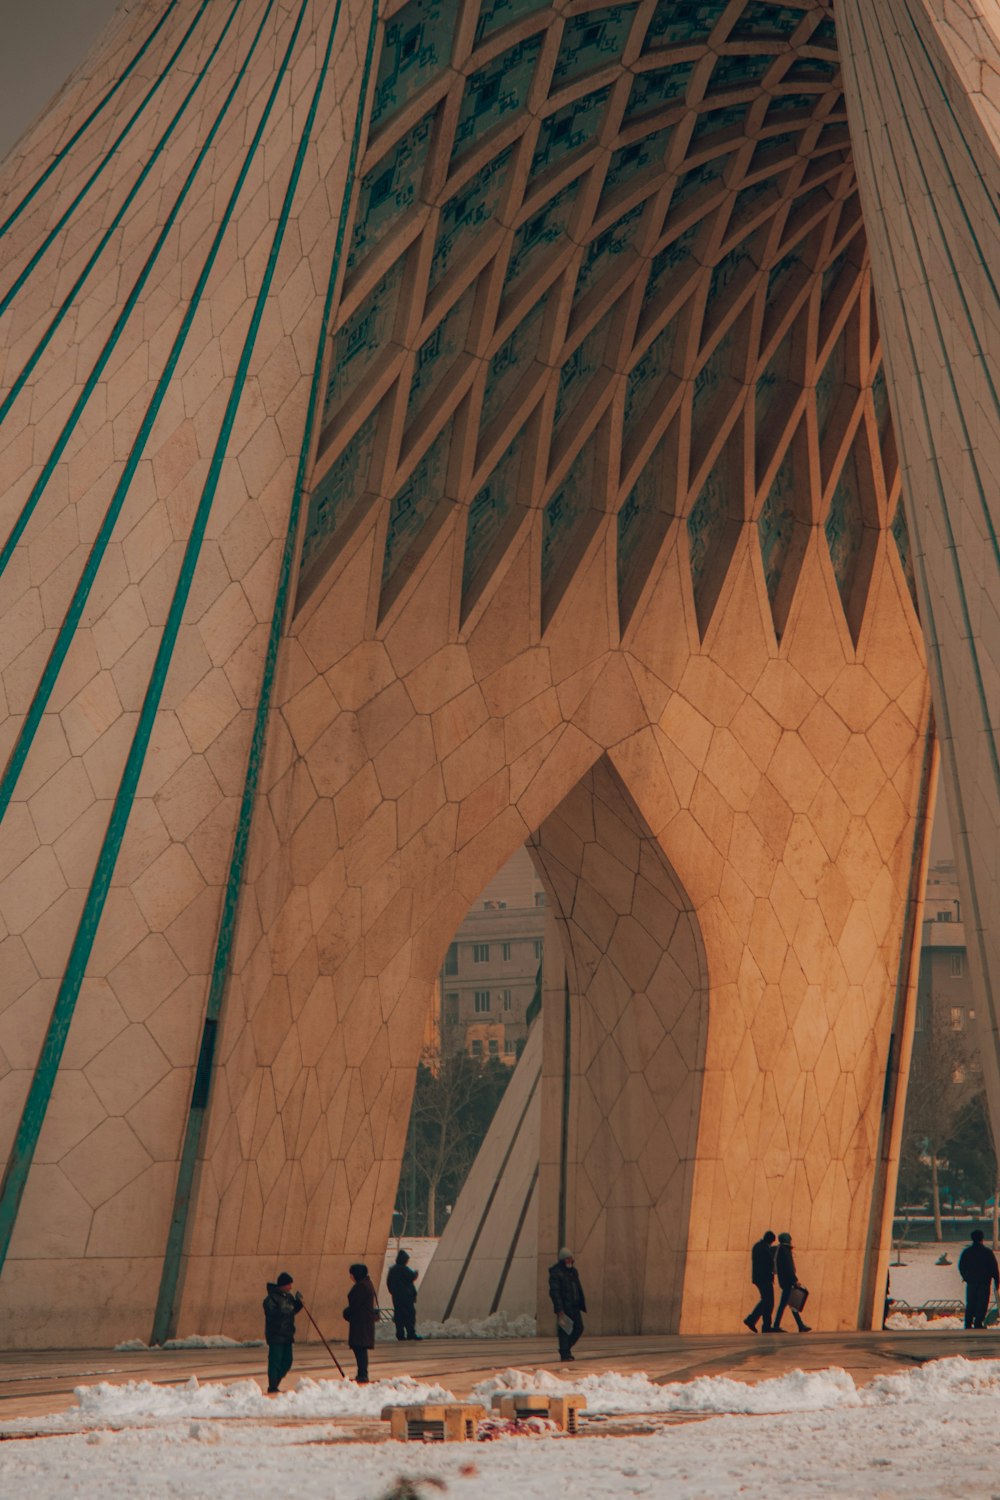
x=568 y=1302
x=281 y=1307
x=762 y=1276
x=784 y=1265
x=978 y=1268
x=401 y=1282
x=361 y=1314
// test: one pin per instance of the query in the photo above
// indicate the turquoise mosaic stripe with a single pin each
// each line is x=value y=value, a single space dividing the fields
x=127 y=202
x=67 y=630
x=82 y=129
x=163 y=1321
x=106 y=160
x=39 y=1094
x=69 y=427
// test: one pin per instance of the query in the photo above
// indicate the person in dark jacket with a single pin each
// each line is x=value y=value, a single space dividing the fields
x=281 y=1307
x=401 y=1282
x=978 y=1268
x=784 y=1265
x=568 y=1302
x=762 y=1276
x=361 y=1314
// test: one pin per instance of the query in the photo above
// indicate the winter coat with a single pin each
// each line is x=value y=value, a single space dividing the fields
x=565 y=1289
x=280 y=1311
x=401 y=1282
x=977 y=1263
x=361 y=1315
x=762 y=1264
x=784 y=1264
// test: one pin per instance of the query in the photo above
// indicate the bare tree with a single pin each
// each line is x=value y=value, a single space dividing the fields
x=454 y=1100
x=939 y=1088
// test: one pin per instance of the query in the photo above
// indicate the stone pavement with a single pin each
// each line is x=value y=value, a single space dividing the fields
x=33 y=1384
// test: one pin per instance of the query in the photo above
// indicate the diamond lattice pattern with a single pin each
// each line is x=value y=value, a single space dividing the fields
x=607 y=276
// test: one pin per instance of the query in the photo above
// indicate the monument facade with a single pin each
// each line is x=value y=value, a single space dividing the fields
x=424 y=431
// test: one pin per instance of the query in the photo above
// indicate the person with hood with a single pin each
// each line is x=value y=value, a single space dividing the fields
x=361 y=1314
x=568 y=1302
x=762 y=1276
x=784 y=1265
x=401 y=1282
x=281 y=1307
x=978 y=1268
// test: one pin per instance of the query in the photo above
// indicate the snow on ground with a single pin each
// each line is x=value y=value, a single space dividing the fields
x=613 y=1394
x=142 y=1403
x=192 y=1341
x=917 y=1322
x=919 y=1280
x=928 y=1434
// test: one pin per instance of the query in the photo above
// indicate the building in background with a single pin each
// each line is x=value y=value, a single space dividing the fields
x=490 y=972
x=944 y=989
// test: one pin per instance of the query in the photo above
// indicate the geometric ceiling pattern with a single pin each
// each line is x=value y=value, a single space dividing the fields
x=607 y=278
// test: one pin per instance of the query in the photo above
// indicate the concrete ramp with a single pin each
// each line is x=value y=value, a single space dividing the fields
x=486 y=1259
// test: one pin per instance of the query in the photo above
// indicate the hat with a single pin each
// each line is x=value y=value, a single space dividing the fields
x=284 y=1279
x=565 y=1253
x=402 y=1258
x=784 y=1238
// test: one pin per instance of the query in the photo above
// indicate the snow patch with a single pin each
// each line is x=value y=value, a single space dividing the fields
x=900 y=1322
x=615 y=1395
x=141 y=1402
x=192 y=1341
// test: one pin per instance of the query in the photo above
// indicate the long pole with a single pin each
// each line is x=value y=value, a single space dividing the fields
x=323 y=1341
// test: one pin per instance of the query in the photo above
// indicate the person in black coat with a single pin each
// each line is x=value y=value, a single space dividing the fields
x=281 y=1308
x=568 y=1302
x=978 y=1268
x=784 y=1265
x=401 y=1282
x=762 y=1276
x=361 y=1314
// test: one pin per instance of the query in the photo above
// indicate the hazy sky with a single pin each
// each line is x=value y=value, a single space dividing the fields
x=41 y=41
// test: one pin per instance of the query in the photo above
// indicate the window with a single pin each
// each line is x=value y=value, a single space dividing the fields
x=451 y=1008
x=480 y=953
x=957 y=965
x=510 y=1048
x=451 y=959
x=539 y=898
x=494 y=1047
x=507 y=1000
x=477 y=1048
x=538 y=947
x=482 y=1001
x=972 y=1015
x=956 y=1018
x=942 y=916
x=958 y=1073
x=505 y=951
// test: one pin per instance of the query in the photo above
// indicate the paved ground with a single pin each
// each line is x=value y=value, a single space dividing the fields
x=32 y=1384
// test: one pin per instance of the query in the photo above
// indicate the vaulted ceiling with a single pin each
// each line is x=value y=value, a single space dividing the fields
x=606 y=276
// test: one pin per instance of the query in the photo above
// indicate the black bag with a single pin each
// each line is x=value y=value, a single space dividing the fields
x=797 y=1297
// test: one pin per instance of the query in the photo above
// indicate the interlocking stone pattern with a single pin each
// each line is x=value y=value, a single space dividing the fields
x=601 y=547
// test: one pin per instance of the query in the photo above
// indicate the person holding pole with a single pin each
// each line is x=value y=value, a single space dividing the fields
x=360 y=1314
x=281 y=1308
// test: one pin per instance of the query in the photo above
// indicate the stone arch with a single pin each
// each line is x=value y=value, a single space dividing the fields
x=619 y=1138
